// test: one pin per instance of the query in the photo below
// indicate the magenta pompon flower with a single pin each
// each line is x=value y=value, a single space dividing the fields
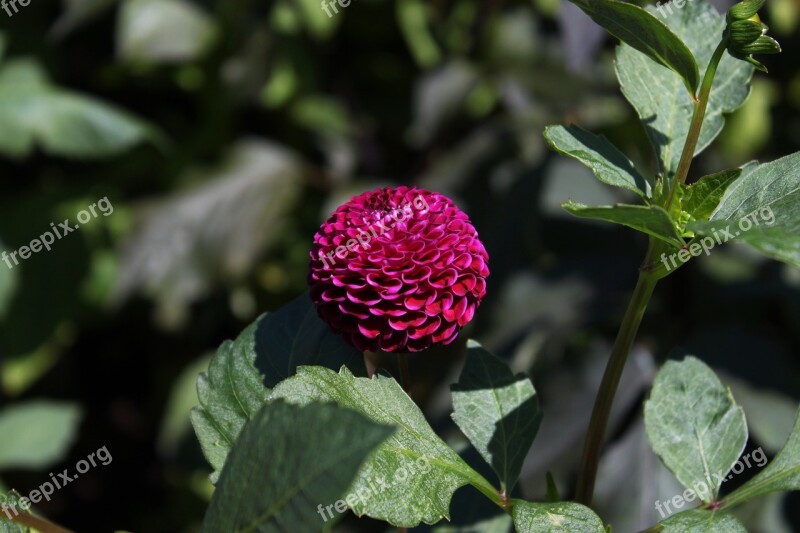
x=398 y=269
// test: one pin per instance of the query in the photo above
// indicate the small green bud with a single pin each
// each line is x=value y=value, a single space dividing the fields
x=744 y=32
x=745 y=9
x=763 y=45
x=747 y=35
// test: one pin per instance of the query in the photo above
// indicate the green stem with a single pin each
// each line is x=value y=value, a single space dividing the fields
x=40 y=524
x=698 y=117
x=648 y=278
x=405 y=377
x=608 y=387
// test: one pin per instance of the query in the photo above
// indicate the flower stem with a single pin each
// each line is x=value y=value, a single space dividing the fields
x=608 y=387
x=648 y=278
x=39 y=524
x=698 y=116
x=405 y=380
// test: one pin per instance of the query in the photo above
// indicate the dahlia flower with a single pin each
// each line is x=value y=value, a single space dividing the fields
x=397 y=269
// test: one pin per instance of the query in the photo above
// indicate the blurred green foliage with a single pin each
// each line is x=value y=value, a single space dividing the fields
x=224 y=132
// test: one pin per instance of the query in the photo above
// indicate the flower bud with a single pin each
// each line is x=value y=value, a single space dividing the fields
x=763 y=45
x=744 y=32
x=744 y=10
x=747 y=35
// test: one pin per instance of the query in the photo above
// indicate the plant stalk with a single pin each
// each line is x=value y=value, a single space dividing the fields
x=641 y=297
x=699 y=115
x=39 y=524
x=608 y=387
x=405 y=379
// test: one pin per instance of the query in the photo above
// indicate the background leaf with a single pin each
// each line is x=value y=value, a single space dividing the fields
x=42 y=434
x=655 y=92
x=694 y=425
x=34 y=111
x=277 y=475
x=498 y=411
x=163 y=31
x=431 y=470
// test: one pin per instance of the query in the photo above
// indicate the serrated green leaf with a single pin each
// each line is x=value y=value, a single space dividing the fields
x=702 y=197
x=33 y=111
x=288 y=465
x=296 y=336
x=694 y=425
x=562 y=517
x=610 y=165
x=655 y=92
x=652 y=220
x=781 y=474
x=42 y=433
x=497 y=411
x=697 y=521
x=641 y=30
x=767 y=195
x=230 y=394
x=431 y=470
x=265 y=353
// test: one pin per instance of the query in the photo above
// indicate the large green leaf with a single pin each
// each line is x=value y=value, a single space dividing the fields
x=266 y=352
x=34 y=111
x=296 y=336
x=768 y=197
x=781 y=474
x=656 y=93
x=230 y=393
x=694 y=425
x=641 y=30
x=290 y=466
x=562 y=517
x=652 y=220
x=611 y=166
x=37 y=434
x=497 y=411
x=415 y=472
x=696 y=521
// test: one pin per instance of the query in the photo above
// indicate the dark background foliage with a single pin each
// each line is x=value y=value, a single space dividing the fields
x=261 y=118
